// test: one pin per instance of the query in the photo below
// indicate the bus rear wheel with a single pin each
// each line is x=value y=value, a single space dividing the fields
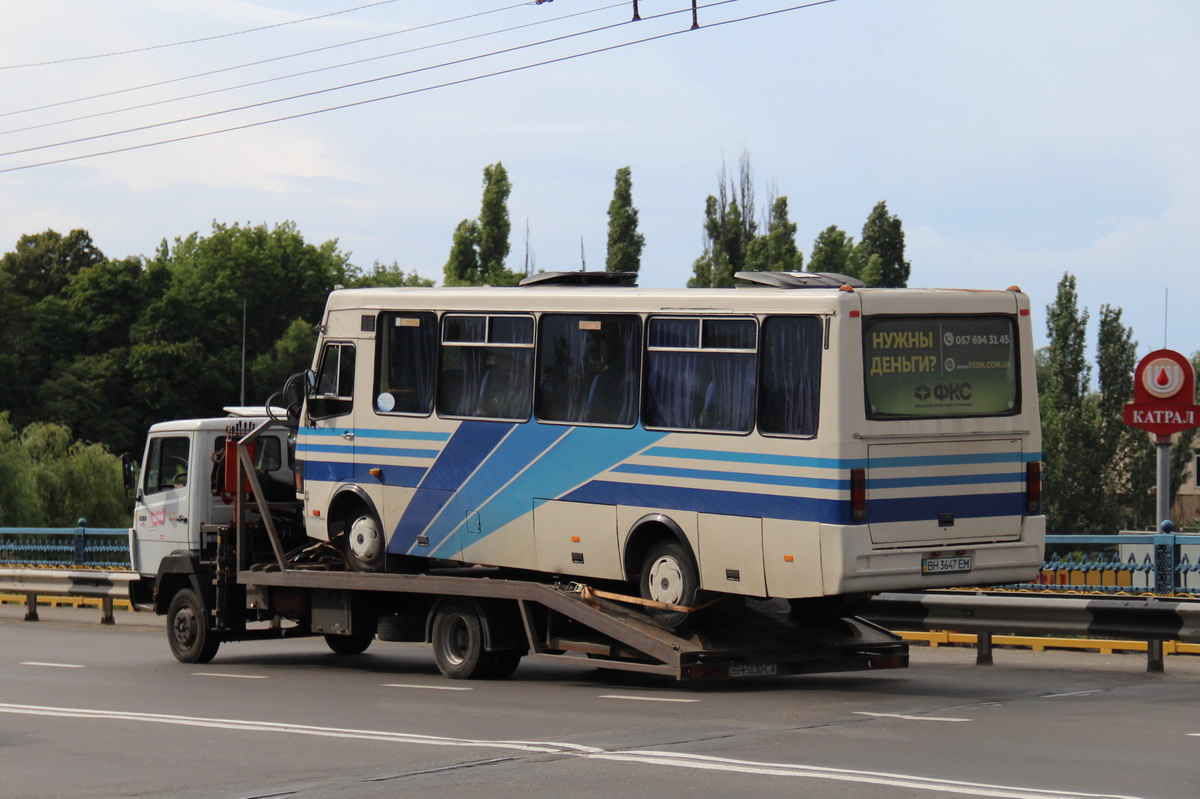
x=669 y=576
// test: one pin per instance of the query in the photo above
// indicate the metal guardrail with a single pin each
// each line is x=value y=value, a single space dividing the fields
x=1134 y=618
x=94 y=563
x=104 y=585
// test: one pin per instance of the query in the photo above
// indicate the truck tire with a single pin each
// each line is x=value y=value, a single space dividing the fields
x=669 y=575
x=501 y=665
x=348 y=644
x=458 y=642
x=189 y=631
x=365 y=543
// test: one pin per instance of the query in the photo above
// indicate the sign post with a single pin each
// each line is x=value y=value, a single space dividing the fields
x=1164 y=403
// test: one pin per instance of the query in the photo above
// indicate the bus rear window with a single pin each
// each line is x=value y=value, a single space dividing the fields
x=940 y=366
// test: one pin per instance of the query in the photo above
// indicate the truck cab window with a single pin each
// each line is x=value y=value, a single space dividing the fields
x=166 y=464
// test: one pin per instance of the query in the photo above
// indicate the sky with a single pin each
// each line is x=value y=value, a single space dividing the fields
x=1017 y=141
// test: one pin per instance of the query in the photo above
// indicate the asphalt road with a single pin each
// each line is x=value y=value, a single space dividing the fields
x=91 y=711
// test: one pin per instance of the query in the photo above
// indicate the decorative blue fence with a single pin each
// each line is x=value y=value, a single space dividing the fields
x=1164 y=564
x=65 y=547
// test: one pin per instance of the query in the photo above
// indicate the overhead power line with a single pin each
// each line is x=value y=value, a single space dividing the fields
x=329 y=68
x=195 y=41
x=260 y=62
x=424 y=89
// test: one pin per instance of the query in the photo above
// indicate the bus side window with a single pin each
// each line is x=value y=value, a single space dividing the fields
x=407 y=346
x=487 y=367
x=701 y=374
x=588 y=368
x=789 y=396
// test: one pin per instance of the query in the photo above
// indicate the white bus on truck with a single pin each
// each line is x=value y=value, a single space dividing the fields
x=542 y=470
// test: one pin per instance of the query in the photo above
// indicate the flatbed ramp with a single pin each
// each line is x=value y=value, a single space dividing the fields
x=558 y=623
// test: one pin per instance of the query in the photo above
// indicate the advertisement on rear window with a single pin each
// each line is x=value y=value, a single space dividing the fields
x=940 y=366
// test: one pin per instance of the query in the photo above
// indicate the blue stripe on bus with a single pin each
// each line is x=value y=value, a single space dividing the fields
x=700 y=500
x=335 y=472
x=827 y=511
x=471 y=443
x=944 y=480
x=756 y=457
x=359 y=449
x=735 y=477
x=513 y=454
x=968 y=506
x=415 y=435
x=842 y=463
x=561 y=464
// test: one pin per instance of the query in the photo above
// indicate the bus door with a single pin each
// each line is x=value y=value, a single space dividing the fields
x=327 y=446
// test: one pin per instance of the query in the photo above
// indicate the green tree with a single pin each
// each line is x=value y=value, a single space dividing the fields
x=729 y=227
x=480 y=246
x=1070 y=473
x=19 y=502
x=381 y=275
x=186 y=346
x=49 y=480
x=775 y=251
x=42 y=263
x=625 y=243
x=834 y=251
x=883 y=235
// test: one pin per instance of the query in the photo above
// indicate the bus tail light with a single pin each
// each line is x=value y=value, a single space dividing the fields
x=858 y=495
x=1033 y=487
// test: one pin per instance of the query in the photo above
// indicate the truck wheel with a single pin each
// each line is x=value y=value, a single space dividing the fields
x=364 y=543
x=349 y=644
x=189 y=631
x=669 y=575
x=501 y=665
x=458 y=642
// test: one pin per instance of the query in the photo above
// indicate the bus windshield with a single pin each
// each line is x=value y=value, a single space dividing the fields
x=940 y=366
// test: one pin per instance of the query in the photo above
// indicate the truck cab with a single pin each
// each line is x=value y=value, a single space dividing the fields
x=181 y=487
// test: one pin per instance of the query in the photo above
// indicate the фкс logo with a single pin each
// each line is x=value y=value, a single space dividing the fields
x=1162 y=377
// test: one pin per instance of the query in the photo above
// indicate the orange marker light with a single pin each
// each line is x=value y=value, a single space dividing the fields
x=376 y=472
x=788 y=559
x=574 y=539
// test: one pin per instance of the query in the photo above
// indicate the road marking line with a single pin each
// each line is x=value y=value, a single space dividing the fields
x=658 y=758
x=230 y=676
x=1074 y=693
x=646 y=698
x=906 y=717
x=427 y=687
x=53 y=665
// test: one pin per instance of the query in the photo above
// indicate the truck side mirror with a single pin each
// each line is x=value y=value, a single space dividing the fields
x=128 y=473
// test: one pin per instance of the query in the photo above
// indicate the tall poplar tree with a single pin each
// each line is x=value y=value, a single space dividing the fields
x=883 y=236
x=480 y=246
x=625 y=243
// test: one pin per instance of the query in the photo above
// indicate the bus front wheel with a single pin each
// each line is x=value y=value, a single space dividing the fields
x=364 y=543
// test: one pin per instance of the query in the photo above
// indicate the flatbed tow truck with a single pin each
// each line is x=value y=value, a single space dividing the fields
x=237 y=580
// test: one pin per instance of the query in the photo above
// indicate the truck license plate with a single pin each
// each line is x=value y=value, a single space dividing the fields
x=946 y=565
x=753 y=670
